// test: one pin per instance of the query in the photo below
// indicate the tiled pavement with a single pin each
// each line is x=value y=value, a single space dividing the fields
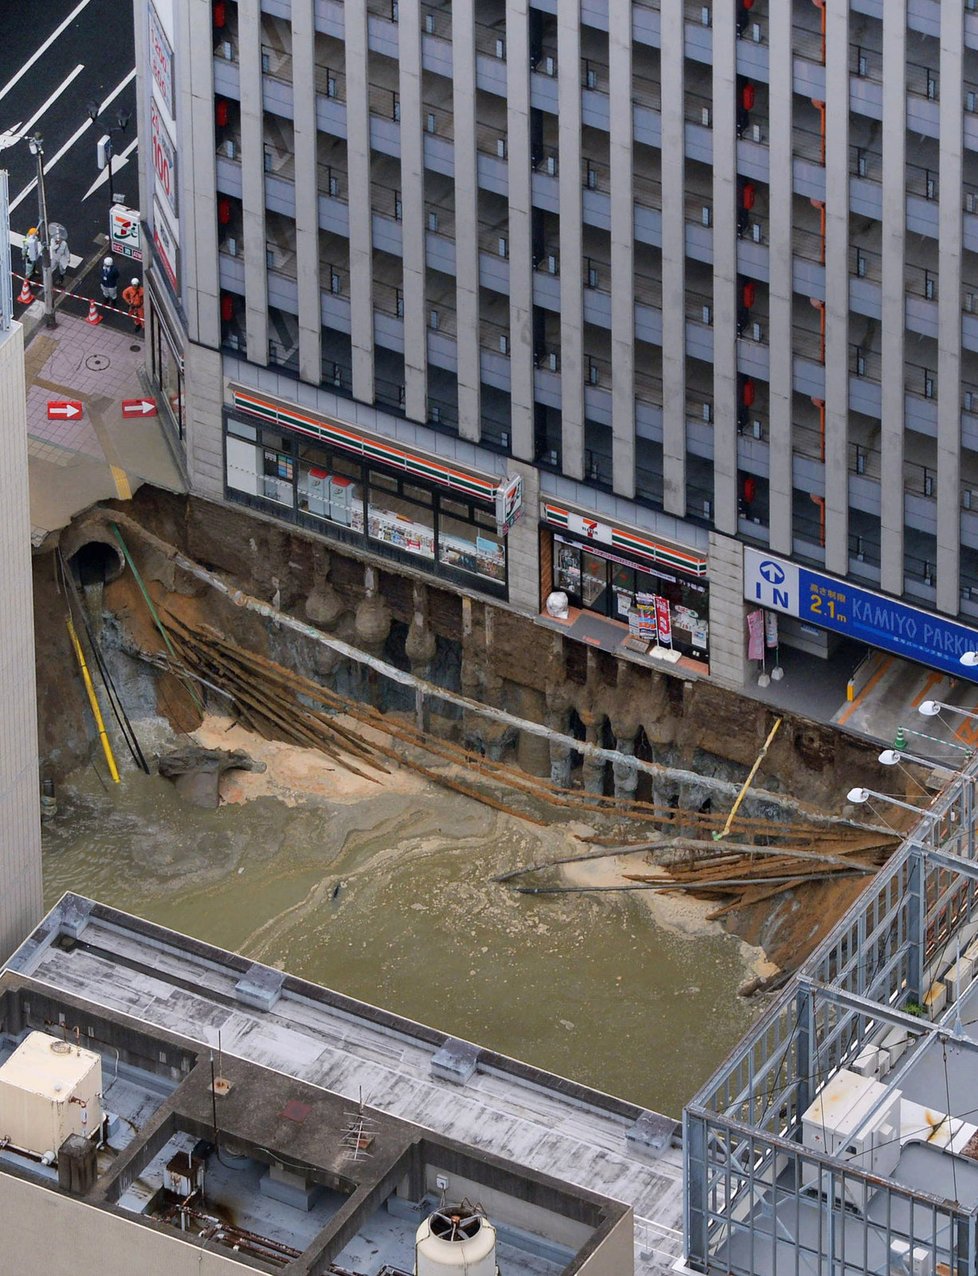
x=102 y=455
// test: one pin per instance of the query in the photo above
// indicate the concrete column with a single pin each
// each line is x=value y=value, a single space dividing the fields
x=412 y=211
x=20 y=862
x=361 y=233
x=837 y=289
x=466 y=221
x=253 y=185
x=728 y=635
x=626 y=777
x=523 y=544
x=592 y=768
x=949 y=309
x=893 y=330
x=672 y=20
x=306 y=191
x=571 y=239
x=725 y=299
x=520 y=227
x=622 y=247
x=780 y=301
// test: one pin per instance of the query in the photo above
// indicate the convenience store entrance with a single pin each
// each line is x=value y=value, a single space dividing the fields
x=621 y=589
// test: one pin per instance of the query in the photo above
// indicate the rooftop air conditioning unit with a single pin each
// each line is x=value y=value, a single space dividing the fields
x=549 y=66
x=757 y=429
x=231 y=244
x=856 y=1119
x=552 y=165
x=755 y=132
x=227 y=52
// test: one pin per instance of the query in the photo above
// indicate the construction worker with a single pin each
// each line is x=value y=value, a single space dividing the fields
x=133 y=297
x=60 y=256
x=31 y=250
x=109 y=279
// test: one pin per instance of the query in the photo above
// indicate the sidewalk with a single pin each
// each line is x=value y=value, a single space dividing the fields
x=101 y=455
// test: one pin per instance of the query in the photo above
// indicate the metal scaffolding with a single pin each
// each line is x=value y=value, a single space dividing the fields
x=877 y=1008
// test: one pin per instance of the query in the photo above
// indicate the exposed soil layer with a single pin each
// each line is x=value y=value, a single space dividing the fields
x=465 y=644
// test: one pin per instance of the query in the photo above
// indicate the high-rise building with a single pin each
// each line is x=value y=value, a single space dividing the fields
x=20 y=819
x=680 y=277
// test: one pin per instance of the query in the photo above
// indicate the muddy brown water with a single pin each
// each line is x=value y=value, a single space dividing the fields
x=589 y=986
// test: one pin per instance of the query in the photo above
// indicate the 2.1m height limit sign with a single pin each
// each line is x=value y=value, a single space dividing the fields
x=164 y=158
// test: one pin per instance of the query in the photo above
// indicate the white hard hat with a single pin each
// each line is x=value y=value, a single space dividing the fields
x=134 y=282
x=107 y=261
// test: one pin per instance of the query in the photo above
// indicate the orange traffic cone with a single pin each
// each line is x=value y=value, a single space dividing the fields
x=26 y=296
x=93 y=315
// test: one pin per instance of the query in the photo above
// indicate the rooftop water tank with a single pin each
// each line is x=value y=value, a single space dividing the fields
x=455 y=1241
x=49 y=1089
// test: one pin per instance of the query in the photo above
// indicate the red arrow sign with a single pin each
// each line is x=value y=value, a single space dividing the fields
x=63 y=409
x=138 y=407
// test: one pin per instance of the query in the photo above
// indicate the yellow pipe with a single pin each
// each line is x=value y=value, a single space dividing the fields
x=747 y=783
x=96 y=711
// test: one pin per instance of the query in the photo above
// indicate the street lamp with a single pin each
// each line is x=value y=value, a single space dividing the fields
x=893 y=757
x=862 y=796
x=34 y=144
x=932 y=709
x=104 y=149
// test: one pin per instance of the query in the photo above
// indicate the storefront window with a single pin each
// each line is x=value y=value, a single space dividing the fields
x=330 y=487
x=471 y=548
x=598 y=580
x=168 y=371
x=408 y=525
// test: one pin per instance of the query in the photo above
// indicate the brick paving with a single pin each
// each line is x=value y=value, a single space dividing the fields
x=100 y=455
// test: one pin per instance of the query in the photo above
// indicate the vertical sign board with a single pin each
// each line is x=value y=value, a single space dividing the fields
x=162 y=207
x=861 y=614
x=164 y=158
x=161 y=61
x=166 y=245
x=509 y=503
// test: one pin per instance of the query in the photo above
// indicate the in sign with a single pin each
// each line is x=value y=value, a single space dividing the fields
x=139 y=407
x=63 y=410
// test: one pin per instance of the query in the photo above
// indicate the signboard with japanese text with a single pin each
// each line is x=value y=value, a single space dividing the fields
x=166 y=245
x=124 y=233
x=164 y=158
x=861 y=614
x=161 y=60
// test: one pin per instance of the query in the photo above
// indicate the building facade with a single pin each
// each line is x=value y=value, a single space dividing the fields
x=20 y=817
x=672 y=277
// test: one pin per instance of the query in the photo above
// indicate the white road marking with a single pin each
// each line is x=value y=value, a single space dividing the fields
x=26 y=128
x=117 y=164
x=44 y=48
x=72 y=140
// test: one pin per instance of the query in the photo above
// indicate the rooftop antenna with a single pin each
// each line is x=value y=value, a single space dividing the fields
x=359 y=1133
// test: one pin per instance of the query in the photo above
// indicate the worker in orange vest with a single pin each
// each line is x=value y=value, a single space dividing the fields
x=133 y=297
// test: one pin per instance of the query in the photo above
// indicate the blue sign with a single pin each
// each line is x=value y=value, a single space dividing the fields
x=860 y=614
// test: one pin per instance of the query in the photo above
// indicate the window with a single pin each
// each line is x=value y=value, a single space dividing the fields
x=471 y=549
x=405 y=524
x=330 y=486
x=168 y=370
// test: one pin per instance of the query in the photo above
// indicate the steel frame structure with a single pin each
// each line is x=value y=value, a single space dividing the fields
x=757 y=1201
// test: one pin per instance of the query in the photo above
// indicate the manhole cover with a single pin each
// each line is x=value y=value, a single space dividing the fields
x=97 y=362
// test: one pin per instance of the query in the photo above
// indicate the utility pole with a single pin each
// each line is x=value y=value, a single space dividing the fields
x=37 y=150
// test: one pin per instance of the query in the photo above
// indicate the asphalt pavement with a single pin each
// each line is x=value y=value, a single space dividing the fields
x=59 y=57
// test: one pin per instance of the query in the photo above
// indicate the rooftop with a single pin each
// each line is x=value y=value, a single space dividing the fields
x=335 y=1097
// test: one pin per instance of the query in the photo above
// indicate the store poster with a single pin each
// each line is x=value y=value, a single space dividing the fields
x=663 y=621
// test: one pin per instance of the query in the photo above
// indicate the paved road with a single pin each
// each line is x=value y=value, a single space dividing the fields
x=62 y=54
